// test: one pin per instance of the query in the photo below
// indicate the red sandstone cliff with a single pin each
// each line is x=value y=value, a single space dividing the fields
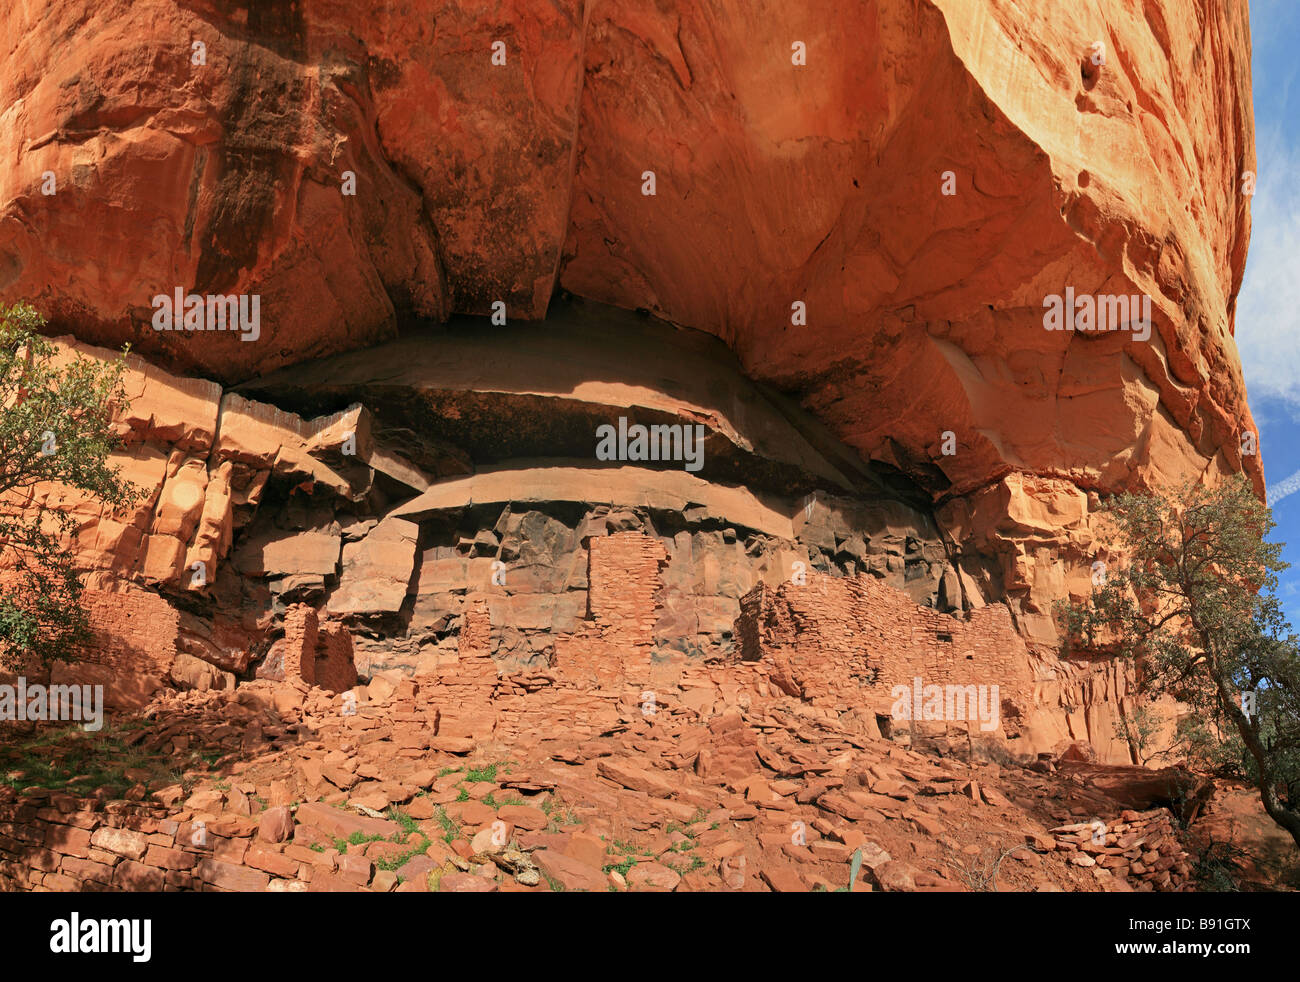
x=206 y=145
x=775 y=183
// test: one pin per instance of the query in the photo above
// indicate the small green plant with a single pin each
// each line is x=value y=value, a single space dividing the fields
x=559 y=815
x=488 y=773
x=628 y=849
x=407 y=823
x=450 y=827
x=672 y=827
x=855 y=867
x=399 y=860
x=621 y=867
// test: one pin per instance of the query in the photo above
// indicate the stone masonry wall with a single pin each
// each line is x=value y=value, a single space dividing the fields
x=134 y=630
x=52 y=841
x=836 y=633
x=840 y=642
x=300 y=636
x=135 y=648
x=336 y=668
x=317 y=653
x=625 y=584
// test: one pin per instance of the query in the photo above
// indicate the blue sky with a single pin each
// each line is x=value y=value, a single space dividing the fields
x=1268 y=310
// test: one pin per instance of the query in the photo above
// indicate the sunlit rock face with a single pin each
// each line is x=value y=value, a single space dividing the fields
x=870 y=206
x=824 y=184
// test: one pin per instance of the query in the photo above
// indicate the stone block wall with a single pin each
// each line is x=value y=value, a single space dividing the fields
x=843 y=641
x=316 y=653
x=625 y=585
x=299 y=644
x=135 y=630
x=837 y=632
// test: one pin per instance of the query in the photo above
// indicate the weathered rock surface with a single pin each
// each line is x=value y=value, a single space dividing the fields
x=413 y=499
x=479 y=182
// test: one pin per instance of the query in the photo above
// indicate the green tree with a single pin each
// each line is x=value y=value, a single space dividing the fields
x=56 y=425
x=1195 y=607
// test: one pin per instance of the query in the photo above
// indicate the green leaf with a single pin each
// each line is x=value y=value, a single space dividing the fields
x=855 y=867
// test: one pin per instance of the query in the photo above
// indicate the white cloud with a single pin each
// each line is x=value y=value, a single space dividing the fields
x=1280 y=490
x=1268 y=308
